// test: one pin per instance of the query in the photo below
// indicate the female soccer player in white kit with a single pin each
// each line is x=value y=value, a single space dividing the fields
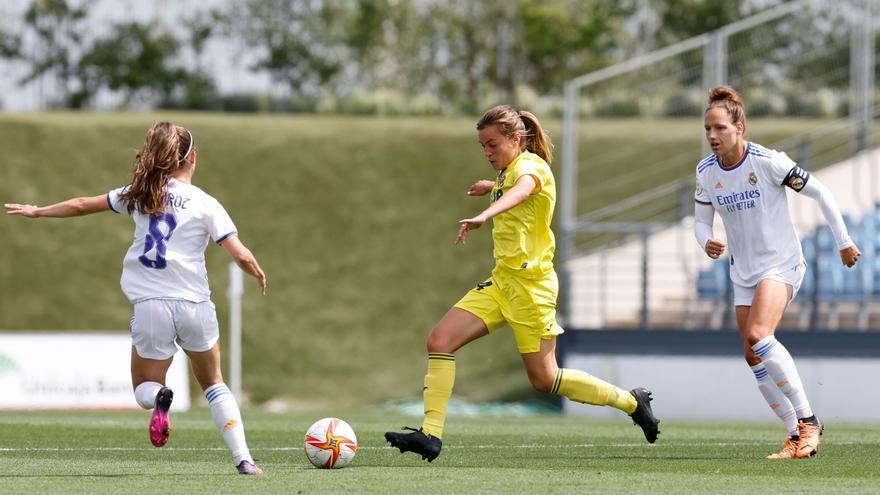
x=745 y=183
x=165 y=278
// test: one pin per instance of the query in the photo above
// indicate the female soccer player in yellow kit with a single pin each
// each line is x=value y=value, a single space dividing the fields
x=521 y=290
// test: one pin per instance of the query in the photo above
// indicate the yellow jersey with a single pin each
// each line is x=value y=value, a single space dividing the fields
x=524 y=243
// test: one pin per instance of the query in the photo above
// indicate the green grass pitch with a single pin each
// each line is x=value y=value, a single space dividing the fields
x=109 y=452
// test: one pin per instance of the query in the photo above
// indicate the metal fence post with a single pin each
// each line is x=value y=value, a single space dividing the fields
x=645 y=322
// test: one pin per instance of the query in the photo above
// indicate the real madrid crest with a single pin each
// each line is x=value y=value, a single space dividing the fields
x=753 y=179
x=797 y=178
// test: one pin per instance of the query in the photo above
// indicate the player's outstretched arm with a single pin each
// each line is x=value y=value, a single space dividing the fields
x=244 y=259
x=71 y=208
x=520 y=191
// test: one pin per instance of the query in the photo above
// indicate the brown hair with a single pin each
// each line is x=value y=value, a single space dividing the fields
x=166 y=149
x=509 y=121
x=726 y=98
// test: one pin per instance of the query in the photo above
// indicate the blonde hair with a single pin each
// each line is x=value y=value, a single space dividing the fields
x=727 y=98
x=165 y=151
x=509 y=121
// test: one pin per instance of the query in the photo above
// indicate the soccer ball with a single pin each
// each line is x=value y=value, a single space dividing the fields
x=330 y=443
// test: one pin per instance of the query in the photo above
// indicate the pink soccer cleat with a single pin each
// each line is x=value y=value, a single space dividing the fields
x=160 y=425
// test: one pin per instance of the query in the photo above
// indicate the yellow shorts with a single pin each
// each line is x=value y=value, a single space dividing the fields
x=528 y=306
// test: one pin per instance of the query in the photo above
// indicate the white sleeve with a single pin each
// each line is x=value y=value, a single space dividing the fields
x=817 y=191
x=114 y=202
x=220 y=225
x=704 y=217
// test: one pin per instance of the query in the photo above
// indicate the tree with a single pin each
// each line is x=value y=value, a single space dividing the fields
x=196 y=90
x=446 y=48
x=59 y=29
x=454 y=50
x=469 y=47
x=365 y=32
x=135 y=59
x=301 y=43
x=10 y=45
x=464 y=50
x=682 y=19
x=562 y=39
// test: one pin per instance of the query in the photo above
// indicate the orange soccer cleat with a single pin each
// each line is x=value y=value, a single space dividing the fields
x=808 y=445
x=788 y=450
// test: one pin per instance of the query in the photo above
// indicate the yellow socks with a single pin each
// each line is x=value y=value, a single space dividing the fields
x=582 y=387
x=574 y=384
x=438 y=387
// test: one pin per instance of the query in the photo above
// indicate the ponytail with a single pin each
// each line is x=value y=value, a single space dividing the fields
x=535 y=138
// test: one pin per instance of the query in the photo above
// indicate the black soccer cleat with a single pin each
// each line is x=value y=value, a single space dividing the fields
x=423 y=444
x=643 y=415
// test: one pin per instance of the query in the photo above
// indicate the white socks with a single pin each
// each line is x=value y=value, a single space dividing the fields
x=227 y=417
x=783 y=372
x=777 y=401
x=145 y=394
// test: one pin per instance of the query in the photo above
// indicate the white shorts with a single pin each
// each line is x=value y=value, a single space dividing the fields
x=159 y=323
x=743 y=296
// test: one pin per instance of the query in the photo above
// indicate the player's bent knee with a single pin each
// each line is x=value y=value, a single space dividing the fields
x=542 y=383
x=440 y=341
x=541 y=386
x=757 y=334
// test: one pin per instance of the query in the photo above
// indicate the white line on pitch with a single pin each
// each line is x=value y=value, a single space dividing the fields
x=364 y=447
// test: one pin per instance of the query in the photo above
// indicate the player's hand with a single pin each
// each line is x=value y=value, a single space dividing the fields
x=261 y=279
x=715 y=248
x=467 y=225
x=29 y=211
x=481 y=188
x=850 y=255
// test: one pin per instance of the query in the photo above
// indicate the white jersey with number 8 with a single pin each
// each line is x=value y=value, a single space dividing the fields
x=167 y=257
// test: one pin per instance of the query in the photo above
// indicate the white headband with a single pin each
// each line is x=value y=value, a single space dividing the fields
x=191 y=142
